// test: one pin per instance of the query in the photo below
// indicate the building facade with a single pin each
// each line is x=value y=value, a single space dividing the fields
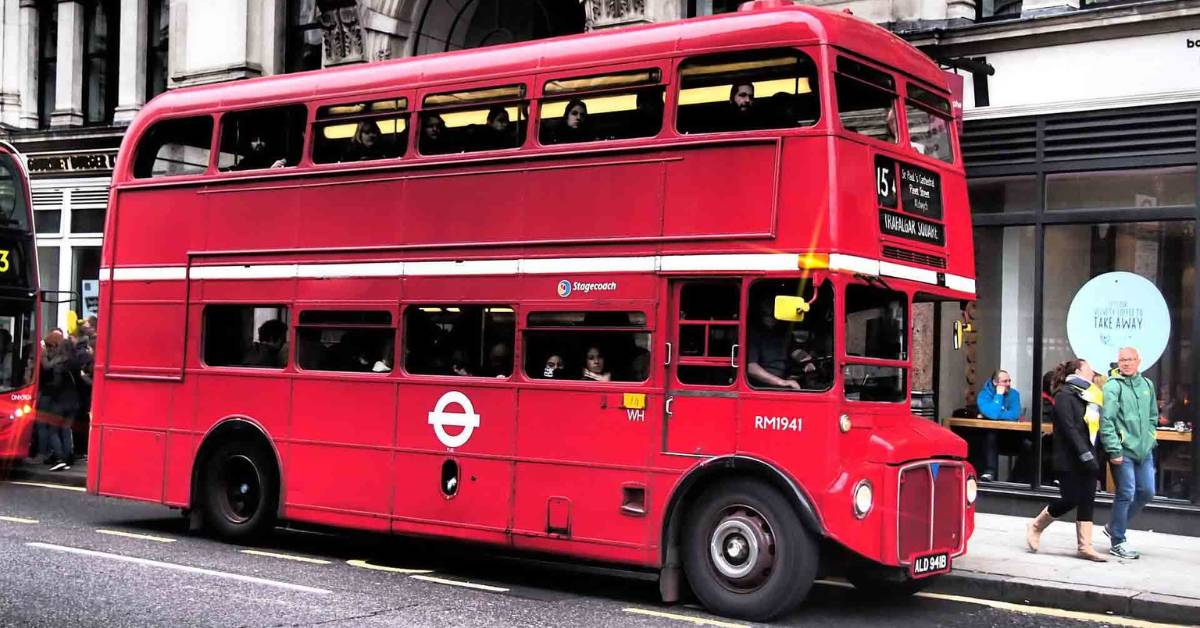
x=1080 y=141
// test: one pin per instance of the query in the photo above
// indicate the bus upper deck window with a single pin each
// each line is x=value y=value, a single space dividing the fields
x=491 y=118
x=866 y=100
x=361 y=131
x=929 y=118
x=262 y=138
x=761 y=89
x=594 y=108
x=174 y=147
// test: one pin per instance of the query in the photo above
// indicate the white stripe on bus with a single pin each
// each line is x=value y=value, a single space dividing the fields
x=908 y=272
x=960 y=284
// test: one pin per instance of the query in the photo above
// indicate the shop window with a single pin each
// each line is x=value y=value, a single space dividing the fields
x=993 y=195
x=158 y=29
x=459 y=340
x=476 y=120
x=790 y=355
x=262 y=138
x=708 y=332
x=1144 y=188
x=361 y=131
x=599 y=346
x=47 y=221
x=929 y=120
x=47 y=59
x=252 y=336
x=102 y=21
x=1129 y=284
x=767 y=89
x=352 y=341
x=577 y=114
x=174 y=147
x=87 y=220
x=866 y=100
x=48 y=266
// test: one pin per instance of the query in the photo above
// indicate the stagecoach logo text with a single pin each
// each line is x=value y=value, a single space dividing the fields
x=465 y=419
x=566 y=288
x=778 y=423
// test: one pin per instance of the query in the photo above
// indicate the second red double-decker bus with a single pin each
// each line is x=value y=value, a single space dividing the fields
x=19 y=298
x=640 y=296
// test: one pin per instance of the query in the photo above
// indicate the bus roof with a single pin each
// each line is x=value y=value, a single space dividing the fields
x=764 y=27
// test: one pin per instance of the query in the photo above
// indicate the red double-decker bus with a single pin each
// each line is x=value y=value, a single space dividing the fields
x=640 y=296
x=19 y=298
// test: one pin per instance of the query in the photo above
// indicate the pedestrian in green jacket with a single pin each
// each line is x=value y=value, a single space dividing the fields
x=1127 y=433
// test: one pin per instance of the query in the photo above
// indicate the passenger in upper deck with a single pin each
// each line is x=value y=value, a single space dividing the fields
x=499 y=131
x=743 y=114
x=575 y=126
x=433 y=135
x=366 y=143
x=257 y=153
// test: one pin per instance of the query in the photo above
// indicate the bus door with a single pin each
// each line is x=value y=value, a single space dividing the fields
x=700 y=408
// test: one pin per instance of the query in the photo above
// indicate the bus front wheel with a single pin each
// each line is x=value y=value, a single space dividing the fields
x=746 y=553
x=241 y=491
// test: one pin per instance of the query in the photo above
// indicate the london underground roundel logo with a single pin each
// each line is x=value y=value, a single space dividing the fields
x=465 y=418
x=564 y=288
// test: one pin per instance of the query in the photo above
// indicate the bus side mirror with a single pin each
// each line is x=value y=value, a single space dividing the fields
x=790 y=309
x=961 y=328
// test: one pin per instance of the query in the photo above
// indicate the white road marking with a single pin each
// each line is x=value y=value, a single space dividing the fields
x=77 y=489
x=303 y=559
x=1115 y=620
x=698 y=621
x=131 y=535
x=18 y=519
x=362 y=564
x=460 y=583
x=175 y=567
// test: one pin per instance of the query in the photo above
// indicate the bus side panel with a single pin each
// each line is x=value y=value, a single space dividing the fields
x=345 y=426
x=582 y=466
x=441 y=209
x=156 y=227
x=181 y=454
x=146 y=328
x=263 y=397
x=590 y=189
x=706 y=195
x=360 y=214
x=236 y=220
x=132 y=464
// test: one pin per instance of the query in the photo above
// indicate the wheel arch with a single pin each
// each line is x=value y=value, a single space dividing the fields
x=226 y=430
x=705 y=475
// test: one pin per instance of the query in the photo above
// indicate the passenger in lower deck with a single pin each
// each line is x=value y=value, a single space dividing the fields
x=271 y=349
x=594 y=367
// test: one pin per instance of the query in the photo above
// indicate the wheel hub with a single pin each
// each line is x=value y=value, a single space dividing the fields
x=742 y=548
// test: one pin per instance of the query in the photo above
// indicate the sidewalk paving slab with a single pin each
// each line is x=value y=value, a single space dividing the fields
x=1163 y=585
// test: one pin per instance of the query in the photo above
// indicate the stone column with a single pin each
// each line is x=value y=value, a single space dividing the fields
x=385 y=31
x=131 y=85
x=30 y=52
x=271 y=35
x=342 y=31
x=211 y=41
x=10 y=63
x=68 y=89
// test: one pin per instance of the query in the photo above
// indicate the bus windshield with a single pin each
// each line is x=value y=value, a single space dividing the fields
x=13 y=213
x=17 y=343
x=877 y=328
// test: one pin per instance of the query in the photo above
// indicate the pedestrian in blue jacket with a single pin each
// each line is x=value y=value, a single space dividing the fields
x=998 y=401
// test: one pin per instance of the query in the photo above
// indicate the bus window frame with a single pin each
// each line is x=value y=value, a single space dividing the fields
x=947 y=116
x=305 y=144
x=822 y=81
x=209 y=169
x=650 y=309
x=902 y=141
x=665 y=66
x=418 y=111
x=837 y=284
x=843 y=359
x=294 y=325
x=400 y=366
x=410 y=112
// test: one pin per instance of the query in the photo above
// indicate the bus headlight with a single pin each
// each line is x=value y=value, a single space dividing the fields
x=864 y=498
x=972 y=489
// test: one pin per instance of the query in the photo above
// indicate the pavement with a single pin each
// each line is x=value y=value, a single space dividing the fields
x=1161 y=586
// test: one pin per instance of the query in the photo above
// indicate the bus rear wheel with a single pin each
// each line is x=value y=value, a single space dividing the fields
x=746 y=553
x=241 y=491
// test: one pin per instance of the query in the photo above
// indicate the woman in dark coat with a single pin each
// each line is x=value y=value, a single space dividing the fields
x=58 y=399
x=1077 y=407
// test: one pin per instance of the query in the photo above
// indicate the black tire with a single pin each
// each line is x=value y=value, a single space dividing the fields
x=240 y=486
x=745 y=552
x=886 y=582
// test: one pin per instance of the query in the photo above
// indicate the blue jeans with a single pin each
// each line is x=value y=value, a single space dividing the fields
x=1135 y=487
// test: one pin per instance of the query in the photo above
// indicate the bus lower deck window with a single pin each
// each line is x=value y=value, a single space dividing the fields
x=459 y=340
x=254 y=336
